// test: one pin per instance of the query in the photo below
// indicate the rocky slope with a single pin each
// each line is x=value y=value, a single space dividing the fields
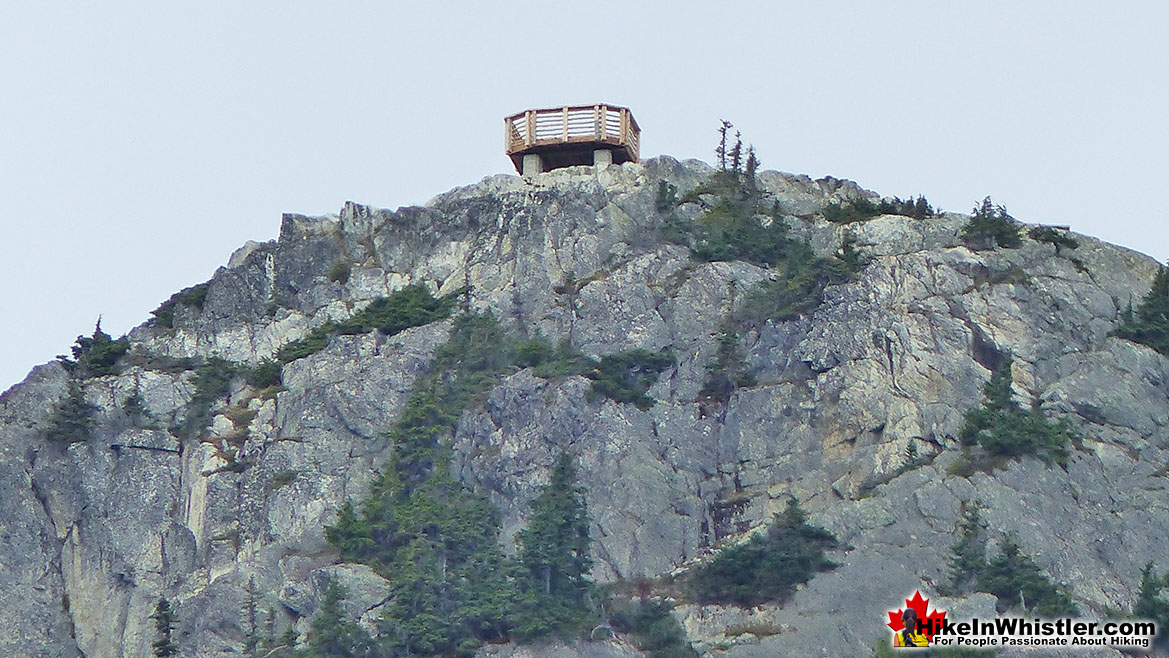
x=94 y=532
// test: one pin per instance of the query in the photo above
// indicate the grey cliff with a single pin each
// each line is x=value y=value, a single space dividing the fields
x=94 y=532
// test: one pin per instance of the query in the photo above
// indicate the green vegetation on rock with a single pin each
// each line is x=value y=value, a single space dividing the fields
x=862 y=209
x=164 y=315
x=316 y=341
x=1002 y=429
x=627 y=376
x=1056 y=237
x=165 y=621
x=334 y=634
x=728 y=371
x=96 y=355
x=1010 y=575
x=990 y=226
x=340 y=272
x=266 y=373
x=1152 y=604
x=410 y=306
x=798 y=286
x=656 y=630
x=438 y=542
x=1149 y=324
x=211 y=381
x=73 y=419
x=767 y=567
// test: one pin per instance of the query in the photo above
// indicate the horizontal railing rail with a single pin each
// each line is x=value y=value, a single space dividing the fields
x=572 y=124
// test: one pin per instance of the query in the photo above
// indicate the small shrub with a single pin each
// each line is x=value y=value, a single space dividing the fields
x=316 y=341
x=769 y=566
x=211 y=383
x=729 y=369
x=1011 y=576
x=654 y=628
x=917 y=208
x=1149 y=324
x=1151 y=604
x=1016 y=580
x=666 y=198
x=266 y=373
x=991 y=226
x=411 y=306
x=627 y=376
x=98 y=355
x=549 y=362
x=1004 y=429
x=799 y=287
x=164 y=315
x=1053 y=236
x=847 y=212
x=240 y=416
x=73 y=420
x=340 y=272
x=134 y=406
x=282 y=479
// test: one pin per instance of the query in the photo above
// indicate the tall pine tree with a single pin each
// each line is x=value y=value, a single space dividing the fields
x=1149 y=325
x=333 y=634
x=554 y=548
x=165 y=621
x=554 y=556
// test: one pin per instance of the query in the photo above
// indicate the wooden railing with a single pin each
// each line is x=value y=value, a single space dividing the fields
x=582 y=124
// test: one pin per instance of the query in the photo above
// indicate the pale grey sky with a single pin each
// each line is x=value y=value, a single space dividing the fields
x=141 y=143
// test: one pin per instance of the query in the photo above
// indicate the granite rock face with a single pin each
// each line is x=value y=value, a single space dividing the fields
x=94 y=532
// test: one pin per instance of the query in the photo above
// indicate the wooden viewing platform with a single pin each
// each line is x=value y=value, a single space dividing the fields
x=540 y=140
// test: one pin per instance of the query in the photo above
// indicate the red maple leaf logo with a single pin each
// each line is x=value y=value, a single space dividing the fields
x=931 y=622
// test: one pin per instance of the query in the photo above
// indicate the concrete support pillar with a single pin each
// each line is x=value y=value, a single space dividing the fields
x=533 y=164
x=602 y=157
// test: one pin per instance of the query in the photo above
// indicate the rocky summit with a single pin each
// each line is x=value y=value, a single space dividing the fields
x=202 y=458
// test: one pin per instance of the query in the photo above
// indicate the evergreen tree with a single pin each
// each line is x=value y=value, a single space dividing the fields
x=1053 y=236
x=252 y=637
x=721 y=151
x=333 y=634
x=968 y=554
x=750 y=182
x=769 y=566
x=73 y=420
x=737 y=154
x=1016 y=580
x=165 y=620
x=1149 y=324
x=991 y=226
x=1151 y=604
x=554 y=559
x=554 y=548
x=1003 y=428
x=436 y=541
x=98 y=354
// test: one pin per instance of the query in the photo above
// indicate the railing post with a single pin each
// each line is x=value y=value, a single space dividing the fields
x=604 y=121
x=530 y=127
x=596 y=122
x=565 y=134
x=624 y=139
